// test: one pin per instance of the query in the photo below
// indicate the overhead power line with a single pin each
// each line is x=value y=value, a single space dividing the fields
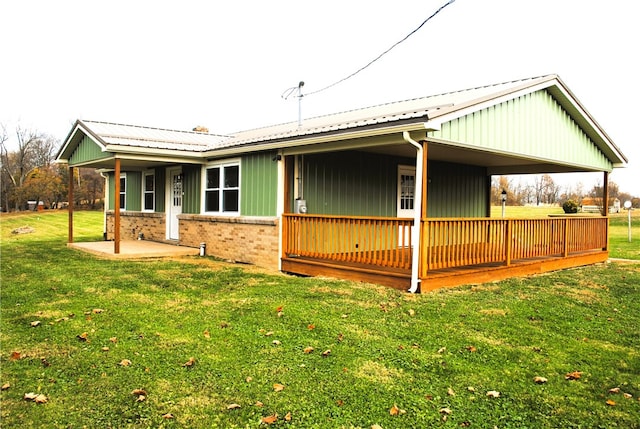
x=382 y=54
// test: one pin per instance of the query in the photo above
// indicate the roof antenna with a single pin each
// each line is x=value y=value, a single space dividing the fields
x=289 y=92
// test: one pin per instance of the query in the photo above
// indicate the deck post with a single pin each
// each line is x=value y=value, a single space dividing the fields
x=565 y=251
x=507 y=243
x=605 y=194
x=116 y=214
x=70 y=206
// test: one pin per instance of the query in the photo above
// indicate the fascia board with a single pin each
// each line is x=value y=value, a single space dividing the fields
x=67 y=149
x=176 y=155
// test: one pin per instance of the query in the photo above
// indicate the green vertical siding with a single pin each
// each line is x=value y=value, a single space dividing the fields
x=533 y=125
x=351 y=183
x=87 y=150
x=365 y=184
x=456 y=190
x=258 y=185
x=134 y=191
x=161 y=185
x=191 y=185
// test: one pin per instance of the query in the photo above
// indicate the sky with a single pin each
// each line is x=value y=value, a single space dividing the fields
x=225 y=65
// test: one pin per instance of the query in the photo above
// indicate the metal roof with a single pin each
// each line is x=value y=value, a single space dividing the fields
x=419 y=113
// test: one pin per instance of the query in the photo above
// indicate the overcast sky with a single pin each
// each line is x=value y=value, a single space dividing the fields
x=224 y=65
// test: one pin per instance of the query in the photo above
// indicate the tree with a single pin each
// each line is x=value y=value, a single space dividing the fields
x=42 y=184
x=34 y=150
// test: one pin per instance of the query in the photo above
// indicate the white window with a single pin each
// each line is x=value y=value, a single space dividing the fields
x=148 y=191
x=123 y=191
x=222 y=189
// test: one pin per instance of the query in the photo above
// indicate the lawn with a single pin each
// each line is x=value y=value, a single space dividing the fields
x=197 y=343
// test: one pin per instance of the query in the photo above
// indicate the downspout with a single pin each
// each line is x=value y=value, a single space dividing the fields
x=415 y=231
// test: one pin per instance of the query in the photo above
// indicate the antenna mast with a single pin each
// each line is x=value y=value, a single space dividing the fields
x=287 y=93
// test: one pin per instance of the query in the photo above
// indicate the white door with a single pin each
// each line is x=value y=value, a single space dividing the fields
x=175 y=193
x=406 y=200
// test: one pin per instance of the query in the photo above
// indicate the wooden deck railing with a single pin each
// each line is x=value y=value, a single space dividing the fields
x=377 y=241
x=446 y=242
x=452 y=243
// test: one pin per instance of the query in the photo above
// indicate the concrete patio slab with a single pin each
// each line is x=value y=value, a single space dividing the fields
x=133 y=249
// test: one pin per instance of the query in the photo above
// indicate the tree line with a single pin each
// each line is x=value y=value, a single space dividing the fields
x=28 y=173
x=543 y=190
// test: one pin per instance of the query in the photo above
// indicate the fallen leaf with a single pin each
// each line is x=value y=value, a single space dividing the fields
x=278 y=387
x=141 y=398
x=308 y=350
x=45 y=362
x=627 y=395
x=15 y=356
x=450 y=392
x=445 y=410
x=412 y=312
x=105 y=349
x=97 y=310
x=493 y=394
x=472 y=349
x=344 y=316
x=614 y=390
x=248 y=379
x=113 y=339
x=233 y=406
x=167 y=416
x=539 y=380
x=611 y=402
x=125 y=362
x=268 y=334
x=35 y=323
x=190 y=362
x=326 y=353
x=206 y=334
x=311 y=327
x=276 y=342
x=279 y=309
x=340 y=337
x=394 y=411
x=471 y=389
x=287 y=417
x=258 y=404
x=224 y=325
x=138 y=392
x=269 y=419
x=5 y=386
x=30 y=396
x=40 y=399
x=376 y=427
x=442 y=350
x=573 y=375
x=83 y=337
x=340 y=402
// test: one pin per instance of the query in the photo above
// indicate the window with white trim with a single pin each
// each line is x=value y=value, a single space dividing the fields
x=148 y=191
x=123 y=191
x=222 y=189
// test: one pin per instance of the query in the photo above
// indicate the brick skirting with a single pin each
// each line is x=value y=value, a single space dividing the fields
x=250 y=240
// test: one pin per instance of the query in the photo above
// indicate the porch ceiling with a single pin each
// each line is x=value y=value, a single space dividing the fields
x=496 y=163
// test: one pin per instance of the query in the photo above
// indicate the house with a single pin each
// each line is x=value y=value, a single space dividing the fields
x=396 y=194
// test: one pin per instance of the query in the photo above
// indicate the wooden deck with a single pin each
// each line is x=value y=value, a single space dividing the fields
x=447 y=277
x=453 y=251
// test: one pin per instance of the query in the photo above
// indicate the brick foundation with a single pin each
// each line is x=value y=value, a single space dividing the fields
x=152 y=225
x=239 y=239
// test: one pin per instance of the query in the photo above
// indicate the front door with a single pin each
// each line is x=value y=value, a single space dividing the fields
x=406 y=199
x=175 y=193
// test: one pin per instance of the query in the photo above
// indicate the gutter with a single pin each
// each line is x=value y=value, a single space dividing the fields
x=415 y=231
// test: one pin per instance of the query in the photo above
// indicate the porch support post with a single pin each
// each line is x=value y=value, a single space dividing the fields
x=605 y=194
x=415 y=231
x=116 y=214
x=70 y=206
x=283 y=194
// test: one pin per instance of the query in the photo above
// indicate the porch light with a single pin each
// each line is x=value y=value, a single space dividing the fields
x=503 y=195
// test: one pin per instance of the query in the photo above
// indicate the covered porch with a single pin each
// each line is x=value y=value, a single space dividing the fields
x=451 y=251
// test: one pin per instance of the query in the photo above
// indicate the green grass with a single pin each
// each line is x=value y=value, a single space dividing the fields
x=388 y=348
